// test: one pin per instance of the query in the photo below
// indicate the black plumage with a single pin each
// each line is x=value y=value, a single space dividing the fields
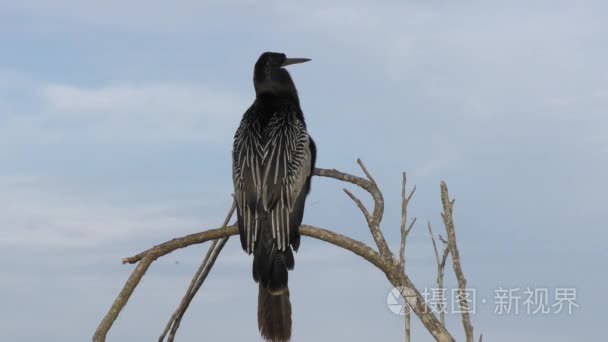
x=273 y=160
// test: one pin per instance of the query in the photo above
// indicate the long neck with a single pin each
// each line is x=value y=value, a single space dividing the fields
x=270 y=99
x=275 y=85
x=269 y=105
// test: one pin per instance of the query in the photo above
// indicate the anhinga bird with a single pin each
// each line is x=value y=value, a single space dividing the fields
x=272 y=161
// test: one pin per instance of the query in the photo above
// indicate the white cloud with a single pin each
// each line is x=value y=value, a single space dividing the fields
x=141 y=113
x=135 y=16
x=36 y=213
x=43 y=210
x=471 y=56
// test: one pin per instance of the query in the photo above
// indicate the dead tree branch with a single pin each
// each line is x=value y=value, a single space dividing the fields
x=383 y=259
x=440 y=271
x=197 y=281
x=405 y=199
x=145 y=259
x=462 y=283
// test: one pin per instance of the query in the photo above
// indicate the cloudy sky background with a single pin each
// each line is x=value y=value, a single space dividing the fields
x=116 y=124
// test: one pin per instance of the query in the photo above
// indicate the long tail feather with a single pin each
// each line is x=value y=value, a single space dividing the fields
x=274 y=315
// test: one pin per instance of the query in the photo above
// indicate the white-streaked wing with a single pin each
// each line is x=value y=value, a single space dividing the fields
x=287 y=165
x=246 y=173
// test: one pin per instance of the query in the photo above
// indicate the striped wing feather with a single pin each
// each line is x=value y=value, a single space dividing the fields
x=271 y=170
x=246 y=166
x=287 y=169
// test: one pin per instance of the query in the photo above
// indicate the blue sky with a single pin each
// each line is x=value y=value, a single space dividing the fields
x=116 y=123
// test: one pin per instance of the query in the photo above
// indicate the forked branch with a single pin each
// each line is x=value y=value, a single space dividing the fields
x=440 y=272
x=405 y=200
x=382 y=258
x=462 y=283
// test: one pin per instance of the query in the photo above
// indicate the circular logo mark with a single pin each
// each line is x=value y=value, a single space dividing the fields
x=395 y=300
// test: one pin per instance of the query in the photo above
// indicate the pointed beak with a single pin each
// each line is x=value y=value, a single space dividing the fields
x=290 y=61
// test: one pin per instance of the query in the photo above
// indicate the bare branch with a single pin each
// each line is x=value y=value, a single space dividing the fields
x=408 y=325
x=197 y=281
x=413 y=297
x=404 y=233
x=185 y=241
x=405 y=200
x=370 y=186
x=411 y=224
x=434 y=243
x=462 y=283
x=145 y=259
x=214 y=251
x=420 y=308
x=440 y=271
x=383 y=259
x=123 y=297
x=359 y=204
x=367 y=174
x=335 y=174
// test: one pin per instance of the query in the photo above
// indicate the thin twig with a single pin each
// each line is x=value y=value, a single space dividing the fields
x=370 y=186
x=462 y=283
x=404 y=234
x=335 y=174
x=211 y=257
x=197 y=281
x=367 y=174
x=408 y=324
x=377 y=214
x=405 y=200
x=123 y=297
x=359 y=204
x=145 y=259
x=440 y=272
x=193 y=283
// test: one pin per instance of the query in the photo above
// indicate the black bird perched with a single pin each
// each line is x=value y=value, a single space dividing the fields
x=272 y=161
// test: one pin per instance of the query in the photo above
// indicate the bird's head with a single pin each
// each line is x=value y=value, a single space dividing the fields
x=271 y=79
